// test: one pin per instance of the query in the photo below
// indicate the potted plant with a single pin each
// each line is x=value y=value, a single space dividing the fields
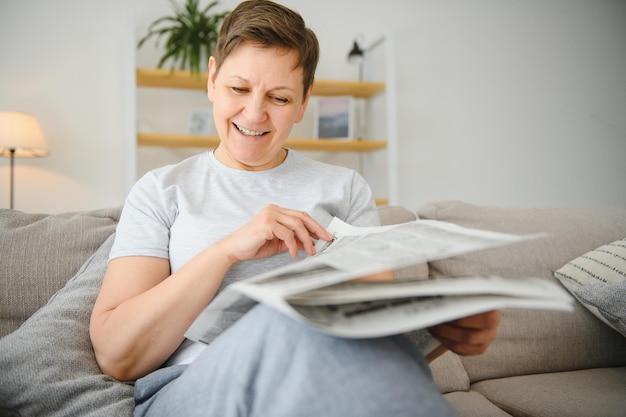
x=191 y=34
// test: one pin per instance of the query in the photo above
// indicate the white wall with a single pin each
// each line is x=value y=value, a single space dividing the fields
x=71 y=64
x=515 y=103
x=510 y=103
x=503 y=103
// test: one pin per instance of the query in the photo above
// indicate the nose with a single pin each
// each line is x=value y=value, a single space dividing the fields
x=254 y=108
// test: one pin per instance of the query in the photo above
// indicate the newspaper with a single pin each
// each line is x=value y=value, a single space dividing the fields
x=320 y=290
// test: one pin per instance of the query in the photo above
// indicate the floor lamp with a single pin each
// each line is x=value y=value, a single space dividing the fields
x=20 y=137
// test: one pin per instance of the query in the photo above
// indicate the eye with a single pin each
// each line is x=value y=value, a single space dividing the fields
x=279 y=99
x=239 y=90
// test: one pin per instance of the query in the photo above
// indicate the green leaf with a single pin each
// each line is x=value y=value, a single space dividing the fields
x=190 y=34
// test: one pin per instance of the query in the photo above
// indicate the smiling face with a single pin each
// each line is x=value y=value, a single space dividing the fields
x=257 y=97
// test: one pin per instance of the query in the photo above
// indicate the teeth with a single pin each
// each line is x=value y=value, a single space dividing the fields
x=248 y=132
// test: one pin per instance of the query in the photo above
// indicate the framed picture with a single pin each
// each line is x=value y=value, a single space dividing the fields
x=334 y=117
x=201 y=122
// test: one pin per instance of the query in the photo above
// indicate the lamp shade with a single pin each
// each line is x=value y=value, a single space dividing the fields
x=21 y=136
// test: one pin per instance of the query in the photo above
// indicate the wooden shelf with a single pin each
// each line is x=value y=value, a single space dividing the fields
x=381 y=201
x=181 y=79
x=163 y=78
x=175 y=140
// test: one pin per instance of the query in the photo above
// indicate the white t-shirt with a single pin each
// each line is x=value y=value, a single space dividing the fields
x=175 y=212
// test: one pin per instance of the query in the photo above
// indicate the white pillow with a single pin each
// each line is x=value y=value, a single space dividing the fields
x=598 y=280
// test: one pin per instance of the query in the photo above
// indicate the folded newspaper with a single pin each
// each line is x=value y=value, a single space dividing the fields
x=320 y=290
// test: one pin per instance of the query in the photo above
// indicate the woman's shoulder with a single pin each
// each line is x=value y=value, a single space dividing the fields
x=173 y=172
x=300 y=161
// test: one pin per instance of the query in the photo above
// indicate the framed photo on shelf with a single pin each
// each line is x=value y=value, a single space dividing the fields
x=334 y=117
x=201 y=122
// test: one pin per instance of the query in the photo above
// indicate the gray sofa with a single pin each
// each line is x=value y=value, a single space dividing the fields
x=543 y=363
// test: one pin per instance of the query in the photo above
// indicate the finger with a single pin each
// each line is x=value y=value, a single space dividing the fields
x=304 y=237
x=460 y=343
x=304 y=227
x=286 y=237
x=466 y=340
x=465 y=349
x=463 y=335
x=435 y=353
x=303 y=219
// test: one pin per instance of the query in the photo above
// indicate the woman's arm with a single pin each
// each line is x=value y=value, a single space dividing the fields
x=142 y=312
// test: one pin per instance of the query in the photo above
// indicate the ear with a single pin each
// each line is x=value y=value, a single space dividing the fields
x=210 y=85
x=305 y=103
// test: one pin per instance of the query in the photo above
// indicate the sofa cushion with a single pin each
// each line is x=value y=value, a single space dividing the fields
x=590 y=392
x=449 y=374
x=473 y=404
x=598 y=280
x=572 y=232
x=48 y=366
x=527 y=339
x=40 y=252
x=395 y=215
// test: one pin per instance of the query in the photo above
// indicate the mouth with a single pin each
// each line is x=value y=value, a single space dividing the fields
x=248 y=132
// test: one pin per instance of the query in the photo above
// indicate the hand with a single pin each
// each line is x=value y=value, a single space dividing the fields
x=470 y=335
x=274 y=230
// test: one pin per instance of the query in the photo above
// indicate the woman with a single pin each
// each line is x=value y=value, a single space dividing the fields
x=250 y=205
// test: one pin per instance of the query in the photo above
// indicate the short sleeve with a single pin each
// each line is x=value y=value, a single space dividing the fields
x=363 y=211
x=148 y=214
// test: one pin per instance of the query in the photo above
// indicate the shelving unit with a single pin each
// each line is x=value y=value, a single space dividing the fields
x=162 y=78
x=177 y=140
x=180 y=79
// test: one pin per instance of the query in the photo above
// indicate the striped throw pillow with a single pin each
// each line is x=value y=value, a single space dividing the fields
x=598 y=280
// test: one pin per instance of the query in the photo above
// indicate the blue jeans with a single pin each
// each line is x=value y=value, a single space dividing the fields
x=269 y=365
